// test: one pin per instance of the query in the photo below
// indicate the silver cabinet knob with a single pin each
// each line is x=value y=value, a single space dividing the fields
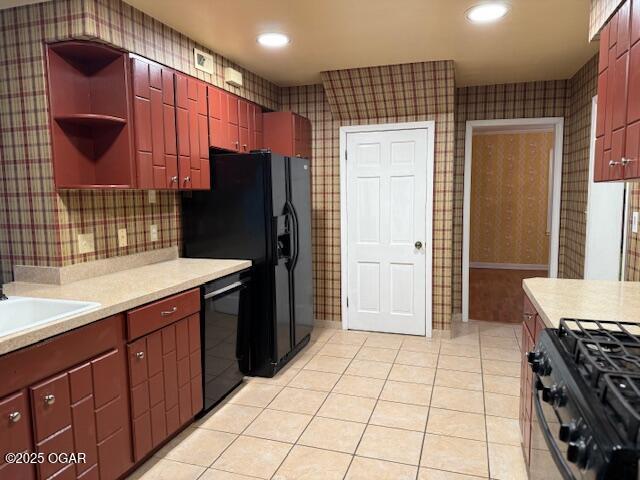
x=187 y=179
x=626 y=161
x=613 y=163
x=15 y=417
x=49 y=399
x=174 y=179
x=418 y=244
x=140 y=355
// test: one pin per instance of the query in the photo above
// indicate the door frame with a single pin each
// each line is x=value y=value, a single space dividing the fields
x=520 y=124
x=429 y=126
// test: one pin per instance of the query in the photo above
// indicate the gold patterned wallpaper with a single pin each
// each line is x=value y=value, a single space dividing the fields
x=509 y=193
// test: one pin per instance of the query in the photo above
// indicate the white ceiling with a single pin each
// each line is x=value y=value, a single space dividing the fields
x=537 y=40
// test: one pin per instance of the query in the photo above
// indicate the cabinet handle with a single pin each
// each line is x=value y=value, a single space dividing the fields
x=187 y=179
x=140 y=355
x=627 y=161
x=613 y=163
x=298 y=155
x=244 y=145
x=236 y=143
x=174 y=179
x=528 y=316
x=49 y=399
x=169 y=312
x=14 y=417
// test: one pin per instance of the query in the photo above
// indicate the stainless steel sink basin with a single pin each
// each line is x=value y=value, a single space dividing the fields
x=20 y=313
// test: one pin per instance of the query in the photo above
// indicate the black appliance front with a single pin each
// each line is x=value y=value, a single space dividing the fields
x=226 y=335
x=259 y=208
x=571 y=434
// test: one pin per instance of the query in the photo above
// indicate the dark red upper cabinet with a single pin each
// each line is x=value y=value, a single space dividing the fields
x=618 y=116
x=90 y=116
x=287 y=133
x=192 y=126
x=154 y=125
x=234 y=124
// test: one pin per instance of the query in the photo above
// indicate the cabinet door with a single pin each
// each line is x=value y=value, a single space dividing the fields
x=255 y=127
x=15 y=436
x=632 y=141
x=298 y=133
x=245 y=125
x=218 y=117
x=84 y=409
x=192 y=123
x=154 y=125
x=278 y=128
x=165 y=381
x=233 y=127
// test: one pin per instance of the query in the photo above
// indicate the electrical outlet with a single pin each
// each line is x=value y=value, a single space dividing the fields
x=122 y=237
x=86 y=243
x=152 y=196
x=153 y=231
x=634 y=222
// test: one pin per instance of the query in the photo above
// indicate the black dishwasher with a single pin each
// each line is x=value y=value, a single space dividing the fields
x=226 y=347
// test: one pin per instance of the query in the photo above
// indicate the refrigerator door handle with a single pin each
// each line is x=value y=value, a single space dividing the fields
x=294 y=234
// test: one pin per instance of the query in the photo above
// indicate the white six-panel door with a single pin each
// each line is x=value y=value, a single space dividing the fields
x=389 y=251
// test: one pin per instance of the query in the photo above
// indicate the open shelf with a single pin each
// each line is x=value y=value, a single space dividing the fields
x=91 y=119
x=91 y=131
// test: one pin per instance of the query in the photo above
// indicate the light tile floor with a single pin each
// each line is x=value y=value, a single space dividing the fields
x=358 y=405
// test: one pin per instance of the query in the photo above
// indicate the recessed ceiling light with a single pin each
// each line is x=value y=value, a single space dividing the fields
x=273 y=40
x=487 y=12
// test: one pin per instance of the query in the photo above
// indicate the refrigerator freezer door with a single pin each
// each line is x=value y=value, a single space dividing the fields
x=301 y=271
x=281 y=298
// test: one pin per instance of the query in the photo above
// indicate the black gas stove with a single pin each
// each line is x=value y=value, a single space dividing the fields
x=586 y=413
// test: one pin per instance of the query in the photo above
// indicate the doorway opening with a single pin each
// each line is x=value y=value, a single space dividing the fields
x=511 y=224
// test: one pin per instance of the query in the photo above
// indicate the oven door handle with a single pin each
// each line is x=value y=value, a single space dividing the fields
x=222 y=290
x=555 y=453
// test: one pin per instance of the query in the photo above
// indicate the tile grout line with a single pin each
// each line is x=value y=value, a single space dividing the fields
x=484 y=406
x=426 y=423
x=315 y=414
x=371 y=414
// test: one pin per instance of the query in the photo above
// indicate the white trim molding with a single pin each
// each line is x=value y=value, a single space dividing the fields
x=430 y=127
x=508 y=266
x=555 y=124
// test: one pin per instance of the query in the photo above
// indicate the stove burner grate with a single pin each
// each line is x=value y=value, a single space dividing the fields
x=621 y=399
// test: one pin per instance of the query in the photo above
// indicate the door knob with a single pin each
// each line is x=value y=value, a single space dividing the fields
x=418 y=244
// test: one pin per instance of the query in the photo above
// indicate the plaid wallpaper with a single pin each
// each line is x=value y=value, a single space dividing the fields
x=599 y=12
x=581 y=89
x=38 y=226
x=633 y=242
x=396 y=93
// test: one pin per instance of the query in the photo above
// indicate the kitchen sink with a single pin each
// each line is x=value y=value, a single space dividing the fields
x=20 y=313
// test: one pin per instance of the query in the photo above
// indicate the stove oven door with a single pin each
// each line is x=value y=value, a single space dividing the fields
x=548 y=452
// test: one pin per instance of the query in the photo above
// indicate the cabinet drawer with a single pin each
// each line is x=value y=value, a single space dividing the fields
x=51 y=406
x=153 y=316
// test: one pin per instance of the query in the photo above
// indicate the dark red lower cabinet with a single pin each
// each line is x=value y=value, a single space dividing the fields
x=165 y=379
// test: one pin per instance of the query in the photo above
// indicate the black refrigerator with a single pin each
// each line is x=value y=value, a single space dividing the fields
x=259 y=208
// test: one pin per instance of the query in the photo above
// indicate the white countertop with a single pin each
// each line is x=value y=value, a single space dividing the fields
x=116 y=292
x=556 y=298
